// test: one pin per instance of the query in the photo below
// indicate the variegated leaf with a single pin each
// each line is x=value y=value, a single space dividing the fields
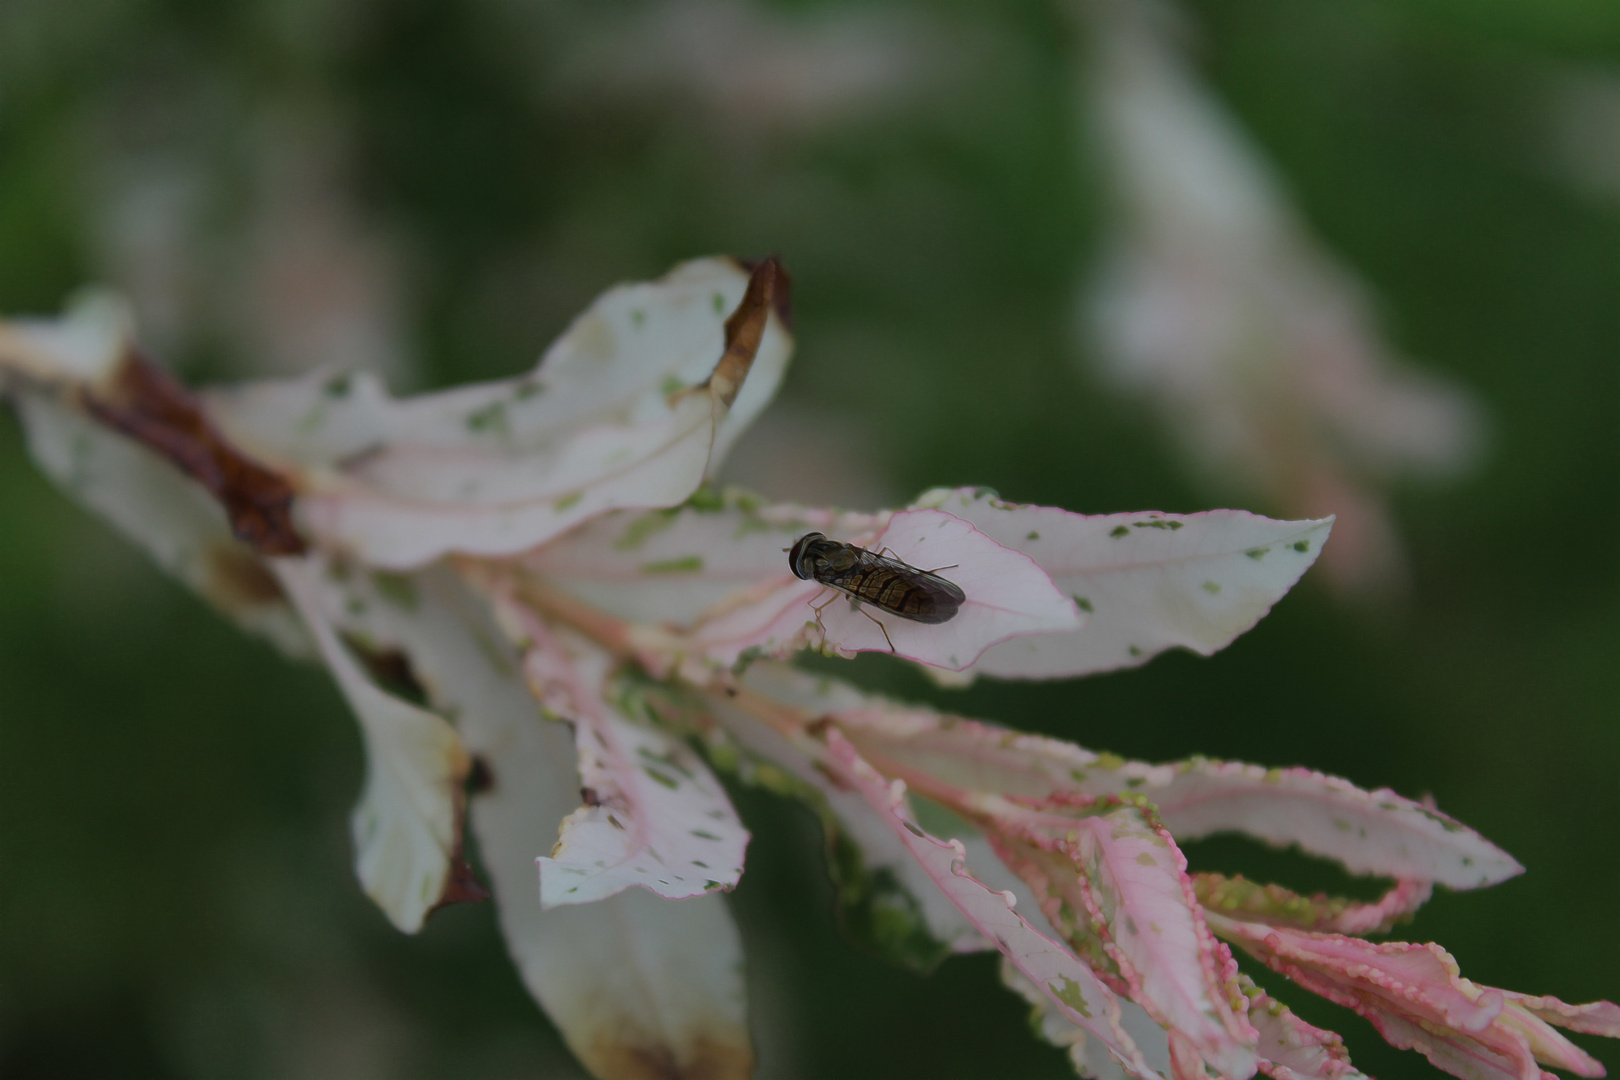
x=625 y=410
x=1068 y=983
x=1147 y=581
x=632 y=981
x=654 y=815
x=407 y=826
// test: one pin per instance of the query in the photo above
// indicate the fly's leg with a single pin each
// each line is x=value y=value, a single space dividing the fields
x=880 y=626
x=819 y=609
x=856 y=604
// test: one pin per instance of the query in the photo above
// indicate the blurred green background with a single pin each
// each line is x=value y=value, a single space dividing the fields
x=436 y=186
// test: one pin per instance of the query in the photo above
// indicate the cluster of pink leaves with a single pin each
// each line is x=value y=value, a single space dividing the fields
x=476 y=564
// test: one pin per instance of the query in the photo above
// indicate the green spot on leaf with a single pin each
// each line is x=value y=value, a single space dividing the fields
x=1301 y=545
x=672 y=384
x=491 y=418
x=1144 y=859
x=1033 y=535
x=1068 y=992
x=1083 y=604
x=702 y=834
x=397 y=589
x=668 y=781
x=638 y=318
x=686 y=564
x=1257 y=553
x=1158 y=523
x=1211 y=588
x=567 y=502
x=719 y=304
x=1118 y=530
x=1133 y=650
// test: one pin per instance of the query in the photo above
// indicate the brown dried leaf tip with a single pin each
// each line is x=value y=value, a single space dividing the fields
x=768 y=290
x=147 y=404
x=463 y=886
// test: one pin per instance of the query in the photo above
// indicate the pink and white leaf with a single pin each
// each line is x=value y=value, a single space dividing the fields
x=1593 y=1018
x=803 y=759
x=1237 y=897
x=1125 y=874
x=631 y=978
x=1416 y=998
x=626 y=410
x=1088 y=1056
x=1456 y=1052
x=628 y=979
x=1147 y=581
x=1068 y=984
x=1399 y=976
x=1369 y=832
x=406 y=826
x=1291 y=1049
x=670 y=567
x=924 y=746
x=1007 y=596
x=655 y=816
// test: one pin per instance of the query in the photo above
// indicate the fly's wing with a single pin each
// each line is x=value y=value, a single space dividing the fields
x=944 y=597
x=922 y=596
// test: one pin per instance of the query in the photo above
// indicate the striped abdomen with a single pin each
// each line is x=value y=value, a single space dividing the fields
x=902 y=590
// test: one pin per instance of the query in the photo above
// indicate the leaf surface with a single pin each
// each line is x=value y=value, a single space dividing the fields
x=407 y=825
x=162 y=511
x=1147 y=581
x=900 y=909
x=627 y=409
x=1113 y=876
x=654 y=815
x=1368 y=832
x=1069 y=984
x=632 y=981
x=1007 y=595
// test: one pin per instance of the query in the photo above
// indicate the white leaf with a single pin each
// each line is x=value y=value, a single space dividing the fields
x=1147 y=582
x=671 y=566
x=1006 y=595
x=1368 y=832
x=407 y=824
x=151 y=502
x=655 y=816
x=625 y=410
x=83 y=347
x=628 y=980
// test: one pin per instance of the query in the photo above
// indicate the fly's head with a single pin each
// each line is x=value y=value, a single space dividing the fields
x=808 y=552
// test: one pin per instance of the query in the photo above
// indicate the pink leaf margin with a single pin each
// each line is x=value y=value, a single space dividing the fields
x=1071 y=986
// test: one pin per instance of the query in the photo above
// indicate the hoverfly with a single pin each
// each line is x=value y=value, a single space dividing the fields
x=874 y=578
